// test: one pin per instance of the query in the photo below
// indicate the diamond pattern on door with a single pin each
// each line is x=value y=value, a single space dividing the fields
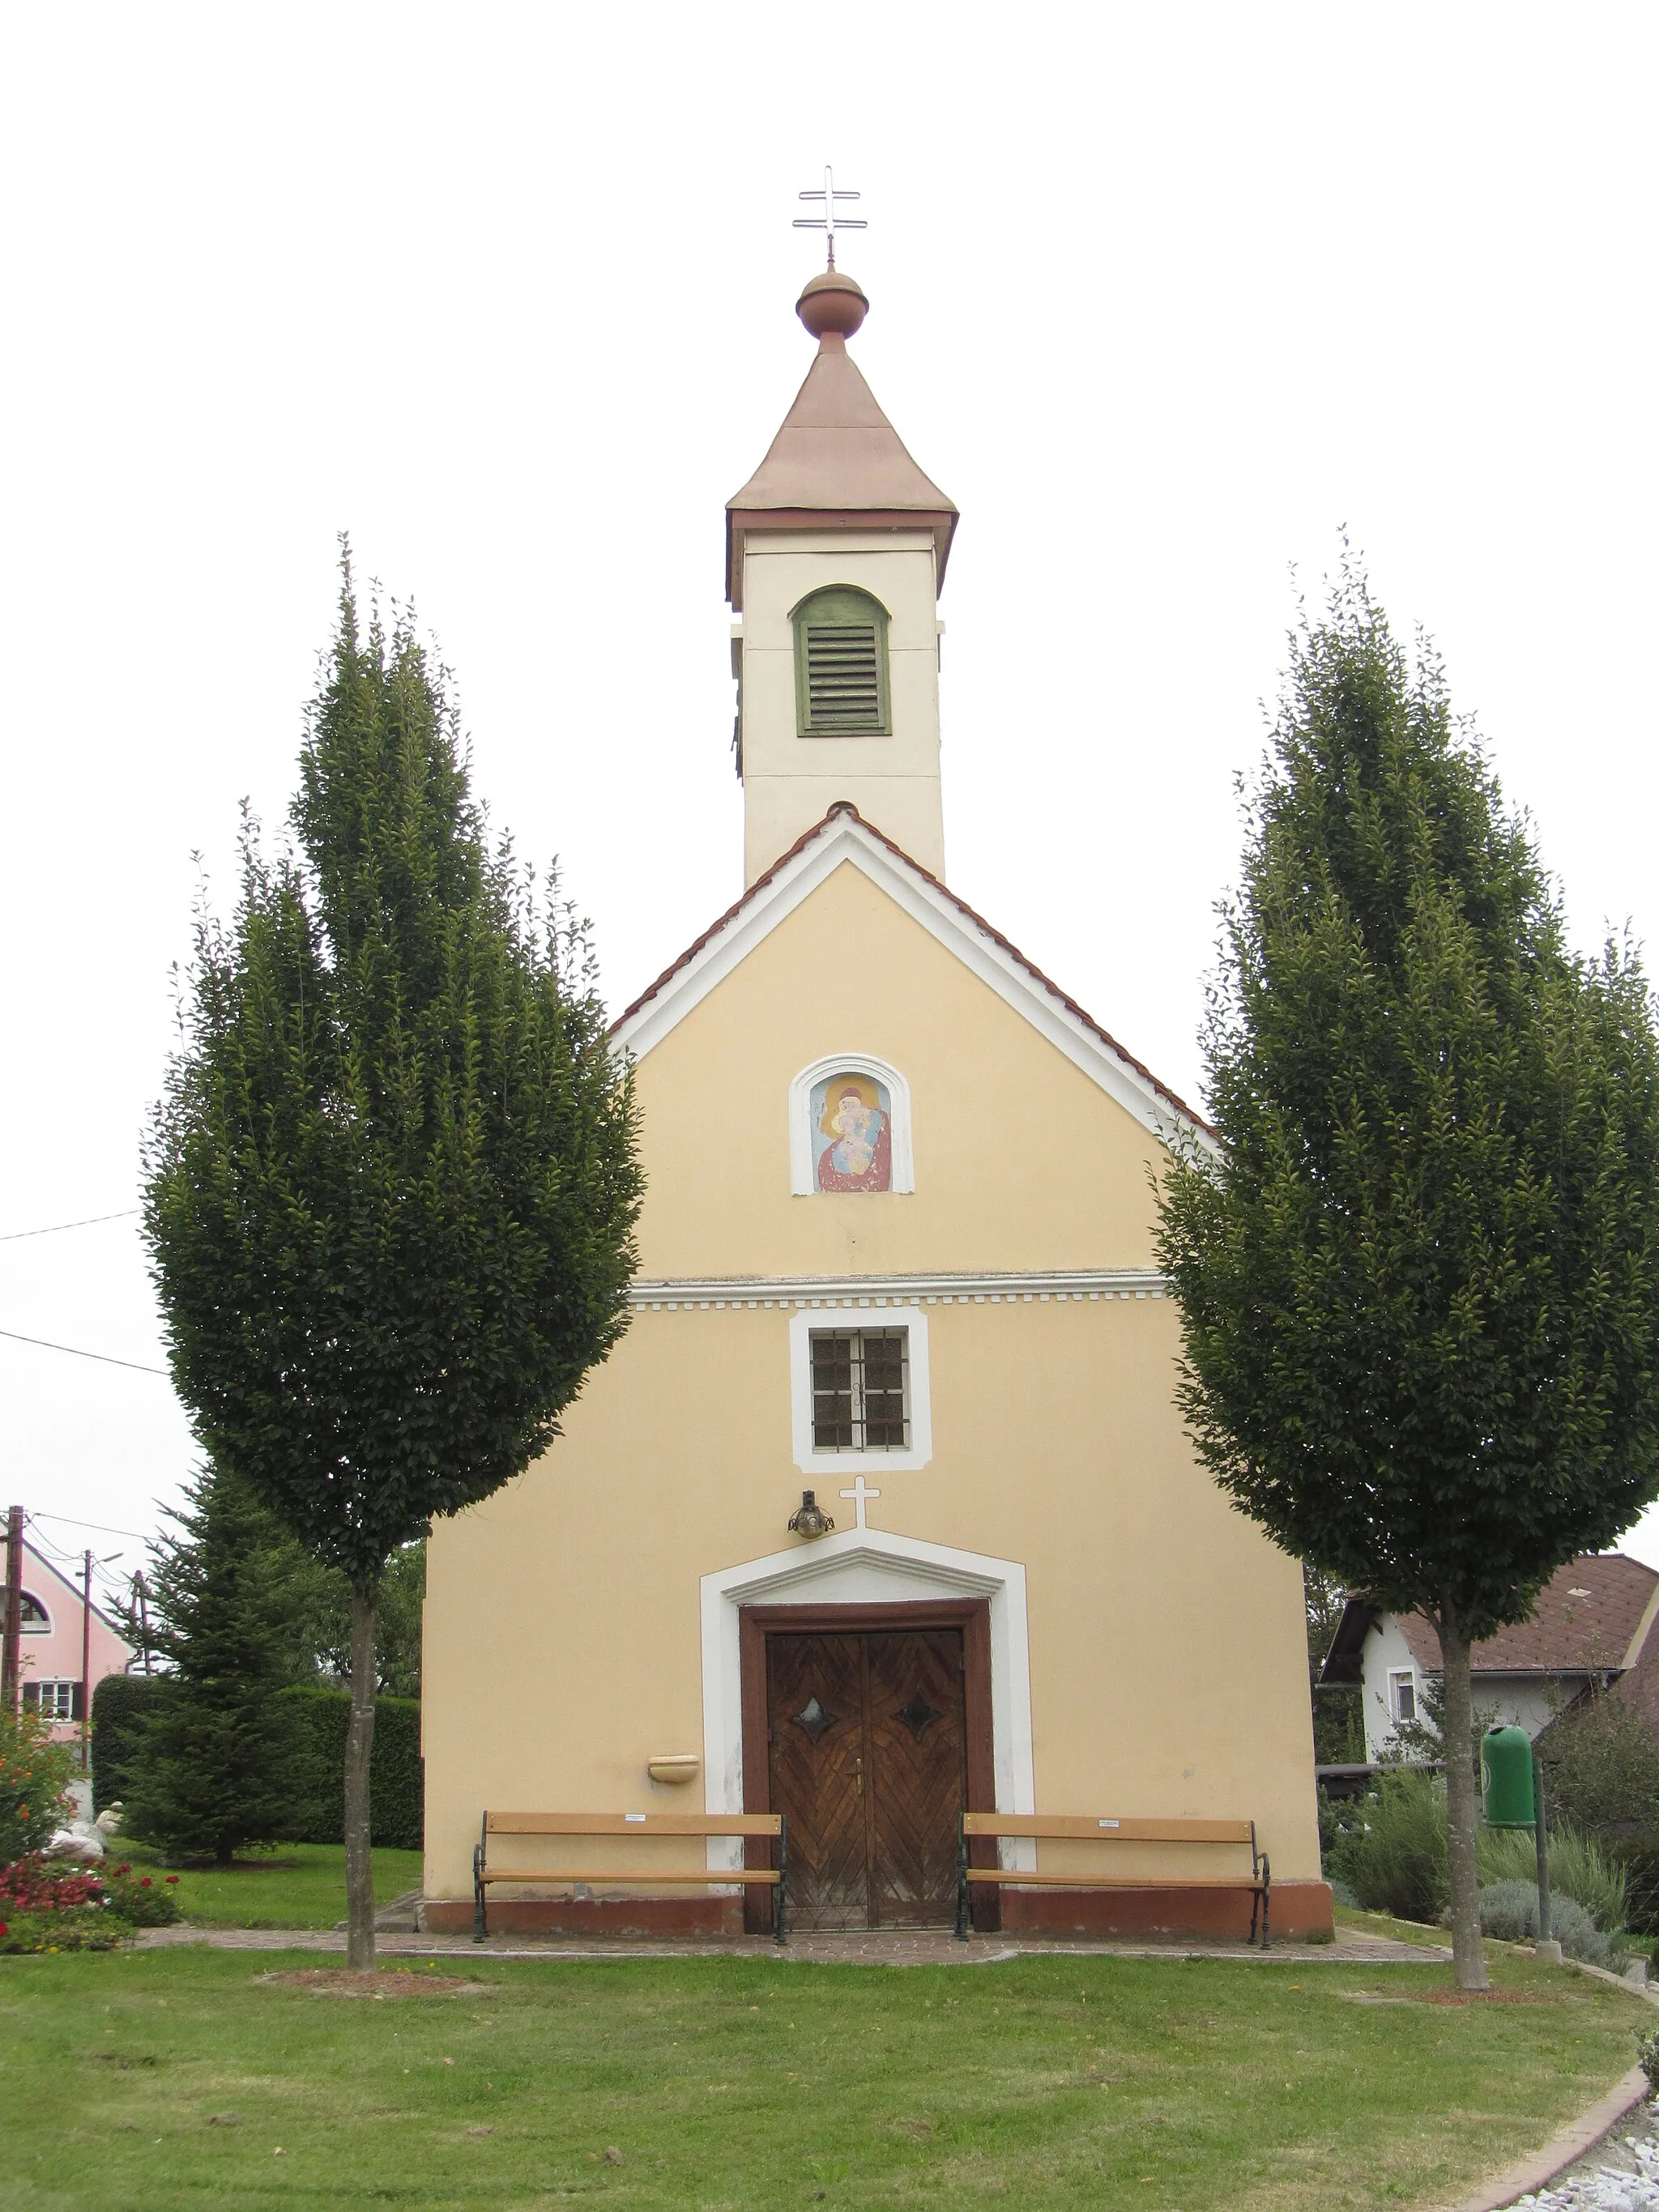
x=920 y=1774
x=817 y=1777
x=873 y=1793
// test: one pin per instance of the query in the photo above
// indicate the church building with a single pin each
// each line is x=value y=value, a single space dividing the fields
x=882 y=1510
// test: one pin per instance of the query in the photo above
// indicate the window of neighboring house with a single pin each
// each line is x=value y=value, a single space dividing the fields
x=861 y=1389
x=36 y=1619
x=1402 y=1696
x=841 y=665
x=54 y=1701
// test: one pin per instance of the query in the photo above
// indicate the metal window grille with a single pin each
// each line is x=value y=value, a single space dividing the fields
x=861 y=1389
x=843 y=677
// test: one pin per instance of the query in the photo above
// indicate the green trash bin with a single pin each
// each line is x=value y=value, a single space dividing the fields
x=1506 y=1798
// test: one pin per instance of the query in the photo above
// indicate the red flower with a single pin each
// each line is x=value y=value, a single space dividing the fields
x=2 y=1927
x=145 y=1884
x=173 y=1877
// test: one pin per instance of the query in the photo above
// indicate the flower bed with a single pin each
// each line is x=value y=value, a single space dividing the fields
x=46 y=1907
x=41 y=1932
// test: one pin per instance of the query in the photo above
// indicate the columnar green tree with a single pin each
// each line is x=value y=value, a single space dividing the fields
x=1418 y=1271
x=213 y=1764
x=392 y=1182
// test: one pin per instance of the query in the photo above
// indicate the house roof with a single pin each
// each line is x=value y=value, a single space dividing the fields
x=837 y=458
x=843 y=834
x=1592 y=1615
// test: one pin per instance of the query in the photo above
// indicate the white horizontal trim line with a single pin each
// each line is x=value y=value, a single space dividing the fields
x=1043 y=1287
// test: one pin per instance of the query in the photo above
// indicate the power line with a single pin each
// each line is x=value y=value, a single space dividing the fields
x=11 y=1236
x=46 y=1344
x=102 y=1527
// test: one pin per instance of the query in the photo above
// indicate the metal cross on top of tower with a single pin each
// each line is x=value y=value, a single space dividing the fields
x=828 y=222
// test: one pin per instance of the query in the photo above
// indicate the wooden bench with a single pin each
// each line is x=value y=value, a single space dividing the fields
x=1054 y=1827
x=627 y=1824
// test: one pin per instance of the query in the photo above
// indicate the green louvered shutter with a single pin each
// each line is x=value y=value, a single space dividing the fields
x=841 y=665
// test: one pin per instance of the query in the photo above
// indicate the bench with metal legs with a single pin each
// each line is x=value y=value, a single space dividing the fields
x=1055 y=1827
x=658 y=1825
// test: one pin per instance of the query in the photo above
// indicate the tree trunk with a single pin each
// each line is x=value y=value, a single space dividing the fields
x=360 y=1742
x=1462 y=1808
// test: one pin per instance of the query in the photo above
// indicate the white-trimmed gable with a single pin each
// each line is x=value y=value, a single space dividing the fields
x=841 y=838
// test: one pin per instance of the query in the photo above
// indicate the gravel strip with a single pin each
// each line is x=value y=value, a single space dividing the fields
x=1620 y=2174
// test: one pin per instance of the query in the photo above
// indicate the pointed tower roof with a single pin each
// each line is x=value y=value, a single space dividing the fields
x=836 y=459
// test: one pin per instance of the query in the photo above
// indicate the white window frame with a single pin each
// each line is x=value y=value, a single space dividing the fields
x=54 y=1683
x=1408 y=1676
x=41 y=1627
x=830 y=1316
x=803 y=1179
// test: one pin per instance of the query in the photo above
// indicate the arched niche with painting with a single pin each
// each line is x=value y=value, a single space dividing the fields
x=849 y=1128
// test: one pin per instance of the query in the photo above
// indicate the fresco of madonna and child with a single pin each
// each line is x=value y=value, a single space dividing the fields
x=852 y=1134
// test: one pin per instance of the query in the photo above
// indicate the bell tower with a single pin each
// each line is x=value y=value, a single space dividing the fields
x=835 y=556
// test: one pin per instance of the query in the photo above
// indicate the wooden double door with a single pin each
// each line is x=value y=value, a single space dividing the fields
x=870 y=1732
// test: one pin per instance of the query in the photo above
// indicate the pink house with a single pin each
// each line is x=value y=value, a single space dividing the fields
x=49 y=1655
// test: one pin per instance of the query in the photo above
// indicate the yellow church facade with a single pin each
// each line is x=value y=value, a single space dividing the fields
x=896 y=1252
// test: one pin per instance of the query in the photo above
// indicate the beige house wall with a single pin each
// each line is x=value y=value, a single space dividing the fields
x=789 y=781
x=1021 y=1161
x=1168 y=1663
x=1168 y=1669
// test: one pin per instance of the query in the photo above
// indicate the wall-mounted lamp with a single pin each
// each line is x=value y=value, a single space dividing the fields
x=810 y=1519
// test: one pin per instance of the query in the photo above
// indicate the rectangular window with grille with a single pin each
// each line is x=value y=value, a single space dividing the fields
x=843 y=678
x=861 y=1389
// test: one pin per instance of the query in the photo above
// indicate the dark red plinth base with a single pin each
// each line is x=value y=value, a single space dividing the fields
x=1301 y=1913
x=591 y=1915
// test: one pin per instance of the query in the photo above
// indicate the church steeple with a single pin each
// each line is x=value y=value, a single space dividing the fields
x=836 y=553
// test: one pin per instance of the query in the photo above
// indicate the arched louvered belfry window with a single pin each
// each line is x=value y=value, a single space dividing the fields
x=841 y=665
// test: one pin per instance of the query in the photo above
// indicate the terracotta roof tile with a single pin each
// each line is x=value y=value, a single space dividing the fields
x=845 y=806
x=1585 y=1616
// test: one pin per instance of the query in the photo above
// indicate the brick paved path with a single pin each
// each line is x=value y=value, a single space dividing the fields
x=924 y=1947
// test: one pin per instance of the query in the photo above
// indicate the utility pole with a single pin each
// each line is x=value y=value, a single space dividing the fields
x=144 y=1615
x=1541 y=1838
x=13 y=1626
x=86 y=1666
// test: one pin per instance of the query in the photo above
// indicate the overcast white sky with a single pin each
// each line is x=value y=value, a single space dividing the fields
x=1163 y=298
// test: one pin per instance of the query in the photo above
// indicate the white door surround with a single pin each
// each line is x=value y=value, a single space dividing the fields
x=863 y=1566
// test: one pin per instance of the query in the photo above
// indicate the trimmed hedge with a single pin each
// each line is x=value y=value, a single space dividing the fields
x=397 y=1774
x=119 y=1703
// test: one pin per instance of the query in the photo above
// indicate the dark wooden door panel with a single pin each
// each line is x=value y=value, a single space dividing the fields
x=867 y=1761
x=917 y=1763
x=815 y=1719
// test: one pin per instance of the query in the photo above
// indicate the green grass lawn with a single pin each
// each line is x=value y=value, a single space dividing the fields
x=299 y=1886
x=728 y=2083
x=1382 y=1923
